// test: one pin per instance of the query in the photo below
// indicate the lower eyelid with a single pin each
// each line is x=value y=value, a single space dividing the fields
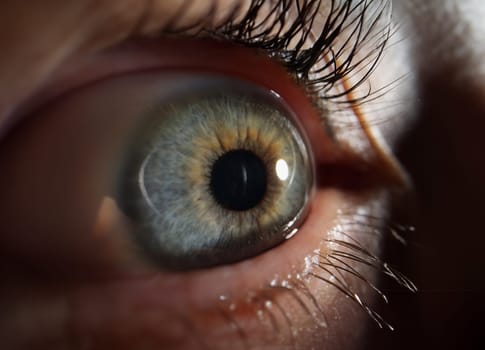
x=227 y=297
x=155 y=310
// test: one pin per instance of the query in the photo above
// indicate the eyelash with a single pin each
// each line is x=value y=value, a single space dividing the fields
x=319 y=69
x=288 y=44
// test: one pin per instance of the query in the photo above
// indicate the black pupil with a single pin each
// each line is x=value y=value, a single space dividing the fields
x=238 y=180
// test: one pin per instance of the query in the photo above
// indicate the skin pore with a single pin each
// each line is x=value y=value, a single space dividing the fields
x=56 y=295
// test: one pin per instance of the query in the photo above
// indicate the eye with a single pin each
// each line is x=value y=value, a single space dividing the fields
x=205 y=171
x=219 y=174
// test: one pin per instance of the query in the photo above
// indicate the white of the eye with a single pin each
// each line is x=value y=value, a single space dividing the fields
x=282 y=169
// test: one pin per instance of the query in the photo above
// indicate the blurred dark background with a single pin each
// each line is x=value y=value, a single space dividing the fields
x=444 y=154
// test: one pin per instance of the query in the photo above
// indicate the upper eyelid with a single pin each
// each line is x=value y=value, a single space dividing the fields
x=72 y=37
x=132 y=25
x=95 y=25
x=303 y=36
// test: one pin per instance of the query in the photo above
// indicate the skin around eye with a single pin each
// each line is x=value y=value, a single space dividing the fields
x=281 y=299
x=62 y=223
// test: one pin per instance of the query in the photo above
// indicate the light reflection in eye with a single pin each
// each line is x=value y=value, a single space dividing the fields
x=282 y=170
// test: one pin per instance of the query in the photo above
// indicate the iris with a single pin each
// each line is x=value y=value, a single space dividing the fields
x=205 y=183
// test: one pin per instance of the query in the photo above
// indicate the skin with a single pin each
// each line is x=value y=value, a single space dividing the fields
x=435 y=132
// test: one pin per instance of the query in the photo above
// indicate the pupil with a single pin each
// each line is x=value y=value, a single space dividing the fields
x=238 y=180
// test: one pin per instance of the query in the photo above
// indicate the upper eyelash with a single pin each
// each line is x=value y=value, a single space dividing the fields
x=351 y=25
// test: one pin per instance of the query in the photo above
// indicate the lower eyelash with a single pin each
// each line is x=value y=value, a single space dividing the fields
x=334 y=269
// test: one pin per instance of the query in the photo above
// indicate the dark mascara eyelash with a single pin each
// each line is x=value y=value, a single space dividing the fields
x=349 y=27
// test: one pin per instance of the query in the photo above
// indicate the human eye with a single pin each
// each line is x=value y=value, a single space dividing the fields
x=118 y=218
